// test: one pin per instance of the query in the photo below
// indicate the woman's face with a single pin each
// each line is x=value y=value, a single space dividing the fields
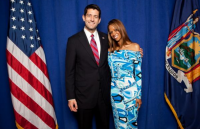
x=114 y=33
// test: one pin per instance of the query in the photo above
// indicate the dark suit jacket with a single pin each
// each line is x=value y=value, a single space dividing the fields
x=84 y=77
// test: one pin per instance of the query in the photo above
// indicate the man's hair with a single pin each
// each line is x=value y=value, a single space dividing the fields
x=92 y=6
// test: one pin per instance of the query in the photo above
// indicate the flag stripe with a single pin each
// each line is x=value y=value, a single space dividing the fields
x=28 y=114
x=24 y=73
x=32 y=105
x=40 y=53
x=30 y=91
x=40 y=64
x=22 y=122
x=25 y=61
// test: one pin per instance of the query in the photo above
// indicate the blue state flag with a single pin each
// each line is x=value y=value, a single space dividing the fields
x=182 y=84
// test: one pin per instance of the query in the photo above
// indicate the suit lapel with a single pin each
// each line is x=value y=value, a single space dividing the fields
x=103 y=48
x=85 y=43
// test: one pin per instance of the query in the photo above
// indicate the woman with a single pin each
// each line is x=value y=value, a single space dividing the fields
x=124 y=59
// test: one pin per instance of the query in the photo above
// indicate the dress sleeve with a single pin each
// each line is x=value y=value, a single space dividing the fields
x=138 y=74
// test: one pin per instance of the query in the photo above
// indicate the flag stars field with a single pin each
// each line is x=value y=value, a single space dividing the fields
x=13 y=9
x=21 y=2
x=31 y=29
x=22 y=28
x=29 y=4
x=22 y=19
x=32 y=46
x=23 y=36
x=14 y=27
x=31 y=37
x=21 y=10
x=30 y=21
x=29 y=12
x=13 y=18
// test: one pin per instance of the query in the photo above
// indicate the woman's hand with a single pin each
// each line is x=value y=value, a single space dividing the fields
x=141 y=52
x=138 y=103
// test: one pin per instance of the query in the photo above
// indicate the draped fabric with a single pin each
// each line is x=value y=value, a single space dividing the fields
x=147 y=22
x=28 y=75
x=183 y=66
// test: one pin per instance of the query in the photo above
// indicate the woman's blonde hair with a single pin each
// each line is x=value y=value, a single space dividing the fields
x=118 y=25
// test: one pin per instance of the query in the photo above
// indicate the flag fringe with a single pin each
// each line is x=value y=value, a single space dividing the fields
x=56 y=126
x=18 y=126
x=174 y=112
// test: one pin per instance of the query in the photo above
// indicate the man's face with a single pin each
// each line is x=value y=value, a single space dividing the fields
x=91 y=19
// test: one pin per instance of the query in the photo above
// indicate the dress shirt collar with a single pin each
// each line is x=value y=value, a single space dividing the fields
x=88 y=34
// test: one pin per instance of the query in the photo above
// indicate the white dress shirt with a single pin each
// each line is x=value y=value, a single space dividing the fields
x=96 y=38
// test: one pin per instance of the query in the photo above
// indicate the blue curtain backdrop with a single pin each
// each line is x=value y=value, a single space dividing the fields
x=147 y=23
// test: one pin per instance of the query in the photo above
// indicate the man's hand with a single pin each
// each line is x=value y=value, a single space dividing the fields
x=73 y=105
x=141 y=52
x=138 y=103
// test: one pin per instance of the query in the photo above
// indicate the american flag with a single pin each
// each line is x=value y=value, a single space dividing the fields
x=28 y=76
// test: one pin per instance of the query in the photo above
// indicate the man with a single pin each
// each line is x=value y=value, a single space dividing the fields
x=88 y=73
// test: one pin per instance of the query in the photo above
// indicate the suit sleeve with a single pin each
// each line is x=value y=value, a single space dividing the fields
x=138 y=75
x=70 y=69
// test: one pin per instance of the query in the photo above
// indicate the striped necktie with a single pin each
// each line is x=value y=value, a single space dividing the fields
x=94 y=49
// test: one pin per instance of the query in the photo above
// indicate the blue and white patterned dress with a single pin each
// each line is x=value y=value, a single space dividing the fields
x=126 y=87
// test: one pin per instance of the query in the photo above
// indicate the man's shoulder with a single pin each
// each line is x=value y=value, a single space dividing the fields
x=76 y=35
x=102 y=33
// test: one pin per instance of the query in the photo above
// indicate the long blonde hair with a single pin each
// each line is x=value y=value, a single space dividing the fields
x=118 y=25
